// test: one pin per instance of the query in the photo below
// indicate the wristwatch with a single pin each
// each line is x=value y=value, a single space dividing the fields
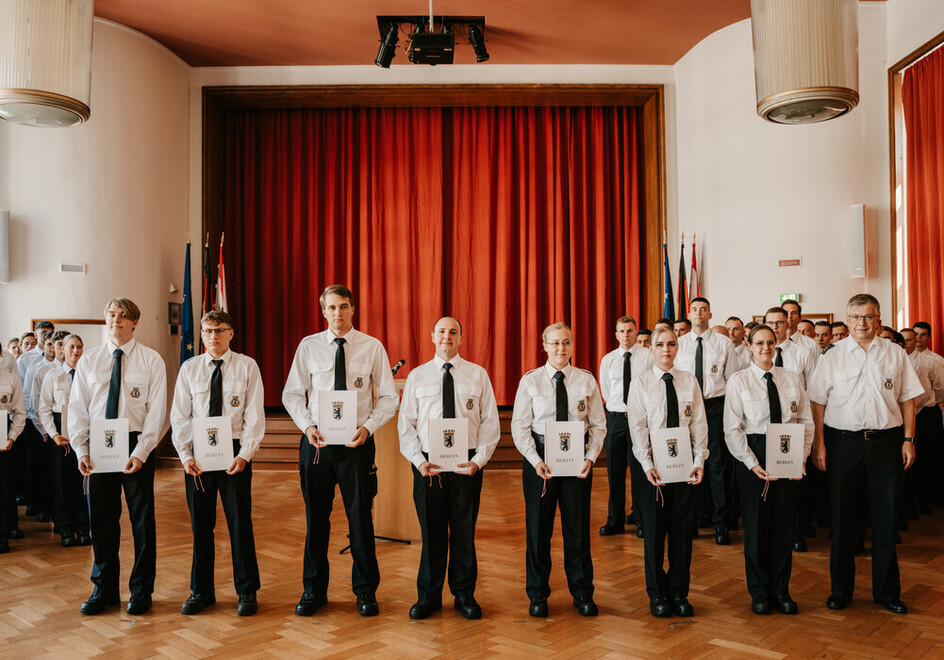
x=911 y=440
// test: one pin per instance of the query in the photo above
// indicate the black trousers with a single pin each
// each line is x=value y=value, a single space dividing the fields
x=235 y=493
x=768 y=527
x=922 y=476
x=447 y=507
x=857 y=467
x=39 y=491
x=716 y=488
x=672 y=517
x=69 y=508
x=936 y=453
x=8 y=513
x=572 y=495
x=104 y=503
x=353 y=471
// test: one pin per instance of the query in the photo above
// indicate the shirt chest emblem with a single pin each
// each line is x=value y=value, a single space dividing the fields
x=888 y=383
x=234 y=402
x=714 y=368
x=5 y=398
x=581 y=406
x=135 y=393
x=688 y=410
x=793 y=406
x=359 y=382
x=469 y=404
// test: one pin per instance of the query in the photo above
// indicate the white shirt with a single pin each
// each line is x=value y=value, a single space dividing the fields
x=143 y=398
x=925 y=400
x=53 y=397
x=802 y=340
x=719 y=362
x=935 y=366
x=648 y=410
x=242 y=401
x=366 y=365
x=611 y=374
x=798 y=360
x=743 y=354
x=422 y=401
x=26 y=360
x=747 y=409
x=11 y=401
x=8 y=362
x=536 y=404
x=37 y=387
x=864 y=390
x=31 y=385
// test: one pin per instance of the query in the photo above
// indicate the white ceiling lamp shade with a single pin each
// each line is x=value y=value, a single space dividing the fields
x=805 y=59
x=45 y=61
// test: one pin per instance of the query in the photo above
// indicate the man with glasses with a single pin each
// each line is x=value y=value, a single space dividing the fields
x=863 y=398
x=220 y=383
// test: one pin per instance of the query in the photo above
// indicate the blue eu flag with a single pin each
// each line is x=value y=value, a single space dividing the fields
x=186 y=329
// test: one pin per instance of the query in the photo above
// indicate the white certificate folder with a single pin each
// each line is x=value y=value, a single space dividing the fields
x=672 y=454
x=108 y=444
x=448 y=443
x=563 y=448
x=213 y=443
x=785 y=451
x=337 y=416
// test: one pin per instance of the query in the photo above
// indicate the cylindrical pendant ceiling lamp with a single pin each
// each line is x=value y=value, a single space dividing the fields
x=805 y=59
x=45 y=61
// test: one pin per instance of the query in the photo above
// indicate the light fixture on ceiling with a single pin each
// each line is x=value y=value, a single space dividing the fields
x=805 y=59
x=432 y=39
x=45 y=61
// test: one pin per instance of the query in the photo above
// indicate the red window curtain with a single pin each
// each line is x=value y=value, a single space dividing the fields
x=507 y=218
x=922 y=92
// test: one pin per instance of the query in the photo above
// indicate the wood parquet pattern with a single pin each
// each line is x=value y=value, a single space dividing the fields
x=43 y=584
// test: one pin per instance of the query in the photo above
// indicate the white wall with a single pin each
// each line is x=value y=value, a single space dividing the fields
x=754 y=192
x=111 y=193
x=912 y=23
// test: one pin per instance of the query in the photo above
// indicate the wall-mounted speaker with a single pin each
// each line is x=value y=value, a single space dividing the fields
x=4 y=247
x=857 y=239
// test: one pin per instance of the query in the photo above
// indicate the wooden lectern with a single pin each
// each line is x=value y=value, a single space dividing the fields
x=394 y=512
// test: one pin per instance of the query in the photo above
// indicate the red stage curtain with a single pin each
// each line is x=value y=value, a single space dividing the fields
x=508 y=218
x=922 y=94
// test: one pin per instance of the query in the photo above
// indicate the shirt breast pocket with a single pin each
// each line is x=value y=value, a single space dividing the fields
x=469 y=398
x=756 y=409
x=789 y=404
x=358 y=375
x=136 y=388
x=234 y=394
x=578 y=402
x=685 y=410
x=322 y=377
x=60 y=399
x=6 y=396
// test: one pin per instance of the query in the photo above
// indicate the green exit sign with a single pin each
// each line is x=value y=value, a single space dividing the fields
x=789 y=296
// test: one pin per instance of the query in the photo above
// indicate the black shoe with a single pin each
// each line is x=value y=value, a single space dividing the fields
x=68 y=541
x=538 y=608
x=808 y=531
x=310 y=603
x=799 y=545
x=893 y=605
x=640 y=533
x=721 y=536
x=834 y=602
x=84 y=538
x=247 y=605
x=659 y=607
x=681 y=606
x=628 y=520
x=4 y=546
x=20 y=500
x=760 y=606
x=98 y=602
x=422 y=609
x=610 y=529
x=197 y=603
x=859 y=547
x=467 y=607
x=31 y=510
x=585 y=606
x=16 y=533
x=785 y=604
x=139 y=604
x=367 y=605
x=43 y=517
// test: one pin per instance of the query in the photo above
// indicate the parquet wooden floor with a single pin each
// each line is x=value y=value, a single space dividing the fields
x=43 y=584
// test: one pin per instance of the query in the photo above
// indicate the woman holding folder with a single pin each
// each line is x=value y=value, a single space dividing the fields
x=558 y=392
x=662 y=399
x=760 y=395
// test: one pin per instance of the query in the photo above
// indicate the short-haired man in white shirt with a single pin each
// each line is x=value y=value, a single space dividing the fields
x=862 y=394
x=616 y=371
x=447 y=507
x=794 y=316
x=933 y=460
x=736 y=334
x=14 y=407
x=711 y=359
x=220 y=383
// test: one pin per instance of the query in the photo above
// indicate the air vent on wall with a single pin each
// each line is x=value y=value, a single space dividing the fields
x=72 y=268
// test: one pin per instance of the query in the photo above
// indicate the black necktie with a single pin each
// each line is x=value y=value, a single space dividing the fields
x=340 y=370
x=114 y=388
x=216 y=389
x=627 y=374
x=699 y=364
x=449 y=393
x=775 y=415
x=778 y=361
x=72 y=374
x=561 y=397
x=671 y=403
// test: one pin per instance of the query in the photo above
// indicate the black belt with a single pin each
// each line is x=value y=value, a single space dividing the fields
x=870 y=434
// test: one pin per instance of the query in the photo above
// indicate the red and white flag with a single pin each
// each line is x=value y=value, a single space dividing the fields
x=693 y=288
x=220 y=302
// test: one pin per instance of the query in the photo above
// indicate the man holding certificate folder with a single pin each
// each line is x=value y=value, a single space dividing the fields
x=448 y=430
x=329 y=393
x=558 y=425
x=218 y=421
x=116 y=413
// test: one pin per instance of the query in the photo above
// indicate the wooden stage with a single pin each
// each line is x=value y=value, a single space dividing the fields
x=43 y=584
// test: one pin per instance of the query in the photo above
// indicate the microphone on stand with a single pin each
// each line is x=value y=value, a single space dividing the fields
x=397 y=366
